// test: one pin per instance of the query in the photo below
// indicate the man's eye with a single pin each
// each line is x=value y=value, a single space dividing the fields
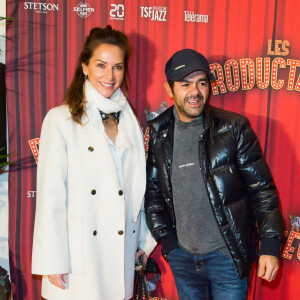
x=185 y=84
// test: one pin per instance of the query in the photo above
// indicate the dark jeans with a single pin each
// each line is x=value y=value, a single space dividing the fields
x=209 y=276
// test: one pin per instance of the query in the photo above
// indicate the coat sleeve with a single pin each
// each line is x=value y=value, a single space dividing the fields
x=262 y=189
x=50 y=241
x=146 y=242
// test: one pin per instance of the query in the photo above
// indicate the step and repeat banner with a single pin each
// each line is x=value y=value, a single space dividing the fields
x=253 y=47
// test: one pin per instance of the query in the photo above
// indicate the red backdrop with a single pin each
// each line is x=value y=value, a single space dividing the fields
x=253 y=47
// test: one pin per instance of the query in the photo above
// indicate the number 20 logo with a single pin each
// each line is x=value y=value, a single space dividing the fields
x=117 y=11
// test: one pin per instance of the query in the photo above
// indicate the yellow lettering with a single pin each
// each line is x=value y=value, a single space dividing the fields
x=33 y=144
x=217 y=70
x=247 y=73
x=277 y=62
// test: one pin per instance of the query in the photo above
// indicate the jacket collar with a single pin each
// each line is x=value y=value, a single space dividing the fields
x=163 y=121
x=206 y=117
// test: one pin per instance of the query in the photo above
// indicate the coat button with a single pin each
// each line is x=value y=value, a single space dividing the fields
x=93 y=192
x=94 y=232
x=120 y=192
x=91 y=149
x=120 y=232
x=133 y=231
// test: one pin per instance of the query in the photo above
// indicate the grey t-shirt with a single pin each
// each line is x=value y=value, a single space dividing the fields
x=196 y=225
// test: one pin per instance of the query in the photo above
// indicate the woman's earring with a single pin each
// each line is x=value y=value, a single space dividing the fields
x=85 y=76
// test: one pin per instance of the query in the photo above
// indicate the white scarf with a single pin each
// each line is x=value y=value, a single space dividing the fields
x=128 y=129
x=115 y=103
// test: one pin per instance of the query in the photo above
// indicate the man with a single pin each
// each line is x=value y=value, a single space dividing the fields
x=208 y=185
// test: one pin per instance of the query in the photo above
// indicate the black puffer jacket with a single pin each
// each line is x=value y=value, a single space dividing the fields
x=238 y=180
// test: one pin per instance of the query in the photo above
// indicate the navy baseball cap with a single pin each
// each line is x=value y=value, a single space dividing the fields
x=184 y=62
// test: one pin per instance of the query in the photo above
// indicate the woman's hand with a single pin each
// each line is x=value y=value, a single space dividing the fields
x=58 y=280
x=145 y=258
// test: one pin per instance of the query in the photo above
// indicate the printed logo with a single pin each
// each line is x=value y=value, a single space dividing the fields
x=117 y=12
x=186 y=165
x=190 y=16
x=179 y=67
x=83 y=10
x=154 y=13
x=39 y=7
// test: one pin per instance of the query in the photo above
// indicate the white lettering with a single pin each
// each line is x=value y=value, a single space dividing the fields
x=117 y=12
x=179 y=67
x=39 y=6
x=190 y=16
x=55 y=7
x=186 y=16
x=155 y=13
x=83 y=9
x=31 y=194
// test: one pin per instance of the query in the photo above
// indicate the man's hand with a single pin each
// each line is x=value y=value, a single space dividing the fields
x=268 y=266
x=58 y=280
x=145 y=257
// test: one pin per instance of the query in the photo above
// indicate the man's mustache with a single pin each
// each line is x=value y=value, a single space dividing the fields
x=197 y=97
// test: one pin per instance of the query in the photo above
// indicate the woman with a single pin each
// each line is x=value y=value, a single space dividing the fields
x=91 y=181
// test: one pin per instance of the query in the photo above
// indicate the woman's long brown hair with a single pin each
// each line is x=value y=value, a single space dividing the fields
x=74 y=96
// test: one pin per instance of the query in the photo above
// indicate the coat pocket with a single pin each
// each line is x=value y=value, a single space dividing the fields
x=76 y=245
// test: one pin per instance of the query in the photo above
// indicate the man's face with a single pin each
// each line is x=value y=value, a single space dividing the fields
x=190 y=95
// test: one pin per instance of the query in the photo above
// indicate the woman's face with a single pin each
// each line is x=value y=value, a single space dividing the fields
x=105 y=70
